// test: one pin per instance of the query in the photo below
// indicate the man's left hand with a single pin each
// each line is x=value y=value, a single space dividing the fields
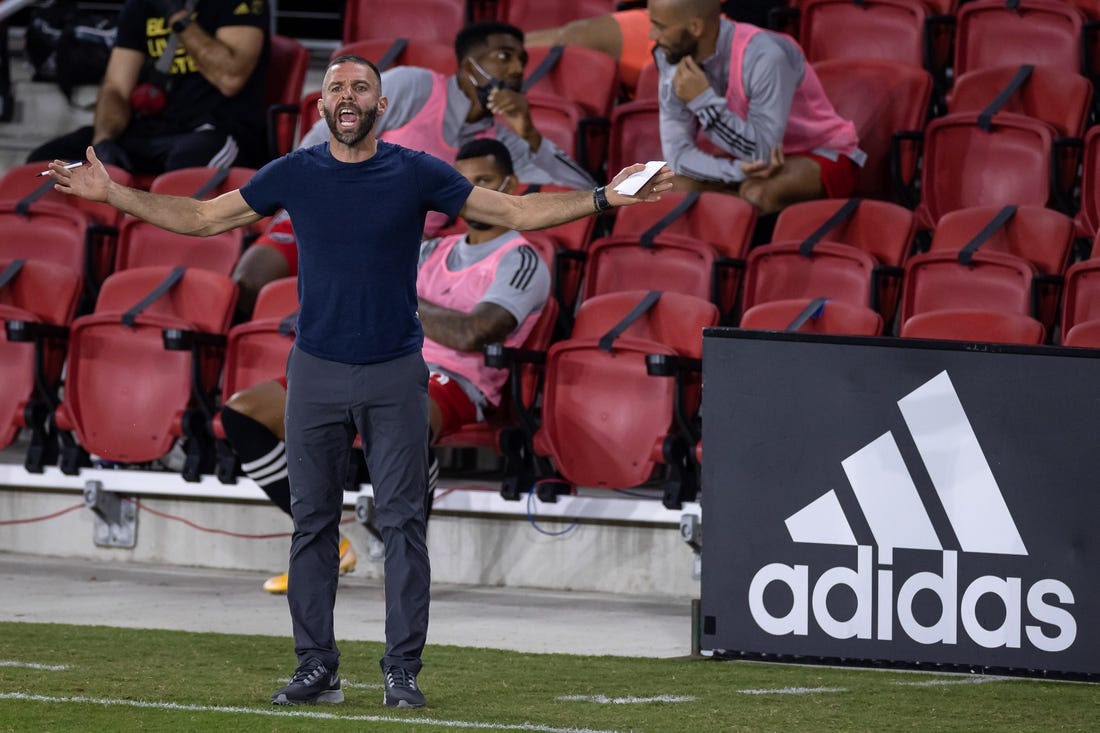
x=512 y=106
x=689 y=81
x=649 y=192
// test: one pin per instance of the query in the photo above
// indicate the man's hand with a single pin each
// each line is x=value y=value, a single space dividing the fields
x=89 y=181
x=512 y=106
x=689 y=81
x=649 y=192
x=761 y=168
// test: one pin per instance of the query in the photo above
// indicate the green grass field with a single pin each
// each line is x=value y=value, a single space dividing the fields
x=67 y=678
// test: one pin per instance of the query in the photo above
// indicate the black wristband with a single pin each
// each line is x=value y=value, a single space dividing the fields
x=179 y=25
x=599 y=199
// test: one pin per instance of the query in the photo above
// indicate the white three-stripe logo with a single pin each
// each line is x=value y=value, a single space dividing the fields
x=888 y=497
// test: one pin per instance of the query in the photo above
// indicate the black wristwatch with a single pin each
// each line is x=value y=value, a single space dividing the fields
x=179 y=25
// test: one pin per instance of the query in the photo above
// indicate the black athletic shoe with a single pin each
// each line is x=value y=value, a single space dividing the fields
x=311 y=683
x=401 y=689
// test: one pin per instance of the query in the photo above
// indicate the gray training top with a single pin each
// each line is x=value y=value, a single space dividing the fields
x=408 y=89
x=772 y=69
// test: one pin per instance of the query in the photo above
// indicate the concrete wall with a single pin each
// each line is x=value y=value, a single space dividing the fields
x=645 y=560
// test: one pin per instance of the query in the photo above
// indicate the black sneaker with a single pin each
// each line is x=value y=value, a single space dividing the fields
x=311 y=683
x=401 y=689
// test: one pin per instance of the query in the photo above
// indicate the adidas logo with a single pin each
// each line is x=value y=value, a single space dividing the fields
x=898 y=519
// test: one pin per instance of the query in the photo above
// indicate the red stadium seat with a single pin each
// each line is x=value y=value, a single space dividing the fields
x=605 y=421
x=1081 y=301
x=424 y=20
x=992 y=281
x=38 y=297
x=881 y=98
x=533 y=15
x=888 y=30
x=975 y=325
x=1088 y=218
x=1041 y=236
x=1040 y=32
x=1060 y=99
x=832 y=317
x=671 y=262
x=965 y=165
x=128 y=397
x=435 y=55
x=286 y=75
x=780 y=271
x=635 y=134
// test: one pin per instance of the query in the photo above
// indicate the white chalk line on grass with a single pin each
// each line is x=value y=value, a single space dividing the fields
x=308 y=714
x=34 y=665
x=604 y=700
x=793 y=690
x=941 y=683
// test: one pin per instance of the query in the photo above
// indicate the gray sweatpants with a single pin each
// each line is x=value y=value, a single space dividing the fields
x=387 y=404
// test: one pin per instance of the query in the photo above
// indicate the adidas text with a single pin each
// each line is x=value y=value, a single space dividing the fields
x=1036 y=612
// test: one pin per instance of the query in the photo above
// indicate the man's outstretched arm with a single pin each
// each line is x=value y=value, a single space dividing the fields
x=541 y=210
x=178 y=214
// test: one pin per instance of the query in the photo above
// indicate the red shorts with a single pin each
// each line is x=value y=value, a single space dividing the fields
x=839 y=177
x=280 y=235
x=454 y=404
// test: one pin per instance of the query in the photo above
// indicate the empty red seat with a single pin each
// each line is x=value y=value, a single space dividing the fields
x=831 y=316
x=975 y=325
x=890 y=30
x=605 y=421
x=127 y=397
x=991 y=281
x=428 y=20
x=780 y=271
x=999 y=33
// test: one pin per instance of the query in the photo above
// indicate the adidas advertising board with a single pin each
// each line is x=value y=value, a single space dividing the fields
x=901 y=502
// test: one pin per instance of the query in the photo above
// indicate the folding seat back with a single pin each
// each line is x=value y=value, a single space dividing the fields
x=635 y=134
x=587 y=78
x=1088 y=218
x=387 y=53
x=533 y=15
x=257 y=350
x=144 y=245
x=725 y=222
x=965 y=165
x=21 y=180
x=817 y=315
x=975 y=325
x=602 y=414
x=1042 y=236
x=1013 y=32
x=127 y=397
x=35 y=292
x=991 y=281
x=286 y=75
x=558 y=120
x=671 y=262
x=50 y=232
x=1060 y=99
x=882 y=229
x=648 y=81
x=780 y=271
x=427 y=20
x=881 y=98
x=890 y=30
x=1081 y=301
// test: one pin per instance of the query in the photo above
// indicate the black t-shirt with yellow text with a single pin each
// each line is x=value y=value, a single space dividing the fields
x=192 y=100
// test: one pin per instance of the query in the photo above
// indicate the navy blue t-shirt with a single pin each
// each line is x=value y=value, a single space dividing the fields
x=358 y=227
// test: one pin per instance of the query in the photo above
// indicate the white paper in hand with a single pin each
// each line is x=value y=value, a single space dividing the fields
x=634 y=182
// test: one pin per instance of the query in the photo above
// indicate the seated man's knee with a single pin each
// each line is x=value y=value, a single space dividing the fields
x=760 y=195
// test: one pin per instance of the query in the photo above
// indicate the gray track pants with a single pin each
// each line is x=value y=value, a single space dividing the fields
x=387 y=404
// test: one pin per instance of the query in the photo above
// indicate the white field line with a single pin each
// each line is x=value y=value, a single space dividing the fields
x=34 y=665
x=604 y=700
x=793 y=690
x=941 y=683
x=305 y=714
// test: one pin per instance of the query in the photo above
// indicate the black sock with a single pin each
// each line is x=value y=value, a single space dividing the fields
x=262 y=455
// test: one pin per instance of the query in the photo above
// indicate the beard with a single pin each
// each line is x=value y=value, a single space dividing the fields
x=685 y=46
x=354 y=136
